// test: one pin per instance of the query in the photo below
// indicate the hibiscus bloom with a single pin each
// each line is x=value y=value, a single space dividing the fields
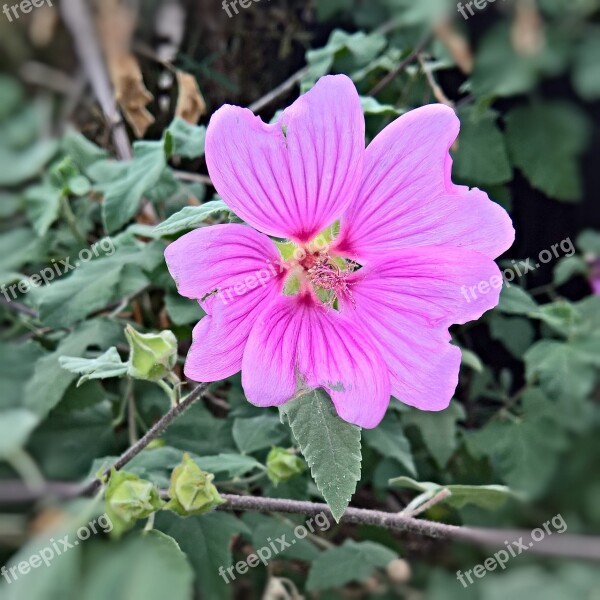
x=380 y=244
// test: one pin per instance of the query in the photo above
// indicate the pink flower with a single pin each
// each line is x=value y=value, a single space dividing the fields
x=366 y=315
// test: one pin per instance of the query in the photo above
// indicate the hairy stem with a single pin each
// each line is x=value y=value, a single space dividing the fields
x=156 y=430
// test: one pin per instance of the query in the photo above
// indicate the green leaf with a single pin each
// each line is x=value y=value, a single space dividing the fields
x=501 y=71
x=186 y=140
x=353 y=50
x=389 y=440
x=206 y=540
x=569 y=267
x=586 y=73
x=589 y=241
x=352 y=561
x=95 y=284
x=234 y=465
x=82 y=151
x=122 y=195
x=438 y=430
x=15 y=427
x=104 y=366
x=330 y=446
x=490 y=497
x=563 y=370
x=514 y=300
x=524 y=451
x=265 y=528
x=257 y=433
x=17 y=364
x=481 y=157
x=11 y=96
x=42 y=203
x=156 y=464
x=515 y=333
x=545 y=142
x=372 y=106
x=182 y=310
x=190 y=217
x=18 y=167
x=130 y=570
x=49 y=382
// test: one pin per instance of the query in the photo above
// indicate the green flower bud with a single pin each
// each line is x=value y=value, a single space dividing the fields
x=192 y=491
x=129 y=498
x=152 y=355
x=283 y=464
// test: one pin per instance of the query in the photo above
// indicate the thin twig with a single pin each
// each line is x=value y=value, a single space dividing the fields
x=18 y=307
x=441 y=495
x=78 y=20
x=193 y=177
x=156 y=430
x=286 y=86
x=572 y=546
x=385 y=81
x=559 y=544
x=433 y=84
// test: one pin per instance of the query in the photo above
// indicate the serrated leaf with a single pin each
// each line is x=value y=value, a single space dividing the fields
x=490 y=497
x=330 y=446
x=352 y=561
x=104 y=366
x=190 y=217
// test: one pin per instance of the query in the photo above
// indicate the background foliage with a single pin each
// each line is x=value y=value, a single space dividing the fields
x=524 y=78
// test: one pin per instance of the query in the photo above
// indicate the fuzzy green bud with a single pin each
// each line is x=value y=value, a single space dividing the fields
x=129 y=498
x=152 y=355
x=283 y=464
x=192 y=491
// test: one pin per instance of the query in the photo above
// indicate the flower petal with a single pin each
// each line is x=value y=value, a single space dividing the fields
x=295 y=177
x=299 y=344
x=423 y=366
x=222 y=257
x=407 y=197
x=243 y=267
x=439 y=285
x=219 y=339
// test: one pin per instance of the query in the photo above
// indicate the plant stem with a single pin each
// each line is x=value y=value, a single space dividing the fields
x=155 y=431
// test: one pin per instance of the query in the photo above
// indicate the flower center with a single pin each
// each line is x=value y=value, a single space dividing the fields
x=326 y=275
